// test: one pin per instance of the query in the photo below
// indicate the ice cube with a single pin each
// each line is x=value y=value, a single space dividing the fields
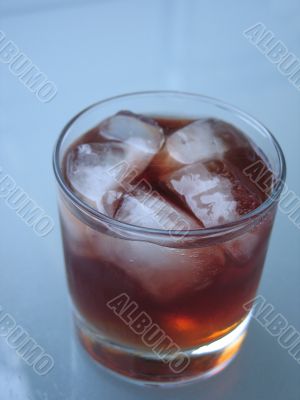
x=138 y=131
x=95 y=168
x=196 y=141
x=163 y=273
x=167 y=273
x=200 y=140
x=208 y=195
x=246 y=194
x=147 y=208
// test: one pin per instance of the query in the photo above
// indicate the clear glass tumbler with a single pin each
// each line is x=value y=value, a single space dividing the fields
x=139 y=308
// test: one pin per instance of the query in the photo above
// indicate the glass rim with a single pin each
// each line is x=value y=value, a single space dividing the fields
x=204 y=232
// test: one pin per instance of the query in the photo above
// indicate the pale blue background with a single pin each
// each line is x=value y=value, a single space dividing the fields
x=95 y=49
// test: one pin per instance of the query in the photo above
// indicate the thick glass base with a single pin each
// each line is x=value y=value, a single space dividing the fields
x=146 y=368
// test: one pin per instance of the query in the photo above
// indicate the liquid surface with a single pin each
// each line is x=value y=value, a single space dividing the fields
x=165 y=174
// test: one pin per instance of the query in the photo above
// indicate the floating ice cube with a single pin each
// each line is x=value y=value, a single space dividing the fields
x=196 y=141
x=137 y=131
x=200 y=140
x=167 y=273
x=208 y=195
x=247 y=195
x=95 y=168
x=149 y=209
x=163 y=272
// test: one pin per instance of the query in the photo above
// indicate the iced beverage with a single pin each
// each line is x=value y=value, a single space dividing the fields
x=165 y=247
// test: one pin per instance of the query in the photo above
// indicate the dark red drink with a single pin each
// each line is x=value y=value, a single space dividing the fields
x=155 y=299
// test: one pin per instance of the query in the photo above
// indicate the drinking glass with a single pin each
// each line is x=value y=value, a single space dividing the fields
x=158 y=306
